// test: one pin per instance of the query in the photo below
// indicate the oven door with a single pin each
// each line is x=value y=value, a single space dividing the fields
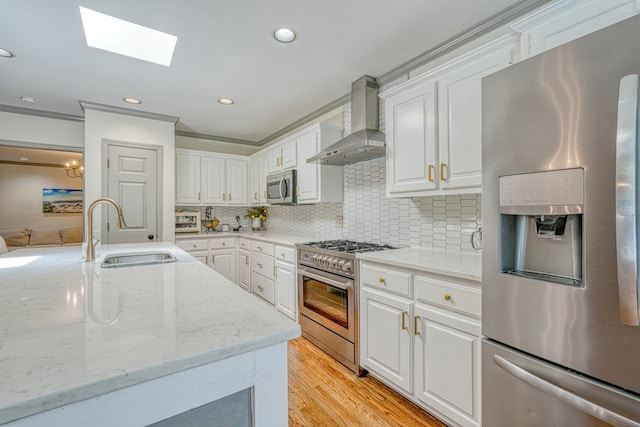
x=327 y=299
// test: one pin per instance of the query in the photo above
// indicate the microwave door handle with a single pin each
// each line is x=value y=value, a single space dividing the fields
x=282 y=183
x=563 y=395
x=626 y=200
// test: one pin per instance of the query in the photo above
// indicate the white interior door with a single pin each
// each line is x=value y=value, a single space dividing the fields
x=132 y=182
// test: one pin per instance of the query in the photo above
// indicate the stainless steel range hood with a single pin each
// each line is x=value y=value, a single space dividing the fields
x=365 y=142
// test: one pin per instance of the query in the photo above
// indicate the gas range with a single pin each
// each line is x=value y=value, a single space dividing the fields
x=328 y=296
x=336 y=256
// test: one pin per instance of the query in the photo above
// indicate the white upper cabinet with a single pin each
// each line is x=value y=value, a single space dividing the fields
x=212 y=182
x=562 y=21
x=317 y=183
x=259 y=169
x=187 y=178
x=283 y=156
x=203 y=178
x=411 y=140
x=434 y=125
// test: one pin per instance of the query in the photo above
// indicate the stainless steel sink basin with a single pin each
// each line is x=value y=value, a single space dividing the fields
x=136 y=259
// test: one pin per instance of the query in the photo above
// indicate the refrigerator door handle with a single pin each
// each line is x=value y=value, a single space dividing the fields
x=626 y=200
x=565 y=396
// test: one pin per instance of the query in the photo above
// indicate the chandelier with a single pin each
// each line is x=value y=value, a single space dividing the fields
x=74 y=169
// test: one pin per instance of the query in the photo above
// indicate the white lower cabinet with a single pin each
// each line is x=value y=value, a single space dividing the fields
x=244 y=264
x=385 y=337
x=285 y=281
x=224 y=262
x=447 y=364
x=420 y=334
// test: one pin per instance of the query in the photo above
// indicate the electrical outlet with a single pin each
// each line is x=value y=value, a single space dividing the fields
x=339 y=221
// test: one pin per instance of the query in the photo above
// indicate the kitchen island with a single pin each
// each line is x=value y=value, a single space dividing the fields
x=131 y=346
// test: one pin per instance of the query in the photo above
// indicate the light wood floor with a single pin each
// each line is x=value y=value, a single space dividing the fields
x=322 y=392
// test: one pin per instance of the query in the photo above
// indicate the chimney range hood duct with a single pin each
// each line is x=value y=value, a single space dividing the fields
x=365 y=142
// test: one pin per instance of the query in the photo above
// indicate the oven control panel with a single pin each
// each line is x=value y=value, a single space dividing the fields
x=327 y=262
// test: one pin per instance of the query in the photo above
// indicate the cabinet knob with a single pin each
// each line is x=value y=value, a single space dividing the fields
x=447 y=297
x=224 y=244
x=260 y=248
x=260 y=265
x=194 y=246
x=261 y=288
x=382 y=280
x=283 y=256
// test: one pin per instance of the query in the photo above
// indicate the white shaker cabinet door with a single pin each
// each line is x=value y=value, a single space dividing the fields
x=411 y=140
x=244 y=270
x=385 y=337
x=237 y=182
x=308 y=173
x=187 y=178
x=285 y=284
x=460 y=117
x=447 y=364
x=213 y=180
x=224 y=262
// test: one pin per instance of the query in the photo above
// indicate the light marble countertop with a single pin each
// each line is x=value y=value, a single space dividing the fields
x=71 y=330
x=455 y=264
x=267 y=236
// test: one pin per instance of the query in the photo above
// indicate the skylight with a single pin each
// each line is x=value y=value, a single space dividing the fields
x=126 y=38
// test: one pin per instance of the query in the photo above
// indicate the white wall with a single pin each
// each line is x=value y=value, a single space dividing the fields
x=100 y=126
x=41 y=130
x=21 y=196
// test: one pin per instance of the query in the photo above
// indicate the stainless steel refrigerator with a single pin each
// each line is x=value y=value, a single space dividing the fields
x=560 y=224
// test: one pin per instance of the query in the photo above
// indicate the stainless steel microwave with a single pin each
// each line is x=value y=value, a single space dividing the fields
x=281 y=188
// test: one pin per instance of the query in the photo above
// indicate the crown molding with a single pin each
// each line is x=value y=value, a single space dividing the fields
x=504 y=17
x=41 y=113
x=127 y=111
x=216 y=138
x=306 y=119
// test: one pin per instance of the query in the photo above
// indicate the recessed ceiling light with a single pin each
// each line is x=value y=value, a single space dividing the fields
x=129 y=100
x=225 y=101
x=284 y=35
x=24 y=159
x=28 y=99
x=6 y=53
x=126 y=38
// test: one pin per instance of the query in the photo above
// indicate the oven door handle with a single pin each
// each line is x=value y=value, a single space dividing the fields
x=345 y=286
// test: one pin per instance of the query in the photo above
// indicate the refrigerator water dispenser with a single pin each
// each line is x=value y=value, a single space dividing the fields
x=541 y=225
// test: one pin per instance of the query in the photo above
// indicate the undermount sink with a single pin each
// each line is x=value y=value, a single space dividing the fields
x=137 y=259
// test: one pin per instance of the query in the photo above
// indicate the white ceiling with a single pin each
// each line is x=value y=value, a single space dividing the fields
x=224 y=49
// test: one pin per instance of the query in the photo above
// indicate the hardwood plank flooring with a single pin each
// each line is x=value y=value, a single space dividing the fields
x=322 y=392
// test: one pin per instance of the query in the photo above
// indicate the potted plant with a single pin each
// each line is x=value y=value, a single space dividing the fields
x=258 y=215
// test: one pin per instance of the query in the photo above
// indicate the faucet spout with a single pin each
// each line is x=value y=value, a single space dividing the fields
x=90 y=251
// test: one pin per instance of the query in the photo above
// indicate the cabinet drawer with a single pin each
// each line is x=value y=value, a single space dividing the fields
x=450 y=295
x=262 y=247
x=244 y=244
x=193 y=245
x=262 y=264
x=286 y=254
x=263 y=287
x=395 y=281
x=223 y=243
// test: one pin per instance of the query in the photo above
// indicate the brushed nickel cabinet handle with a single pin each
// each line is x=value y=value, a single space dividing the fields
x=246 y=260
x=213 y=259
